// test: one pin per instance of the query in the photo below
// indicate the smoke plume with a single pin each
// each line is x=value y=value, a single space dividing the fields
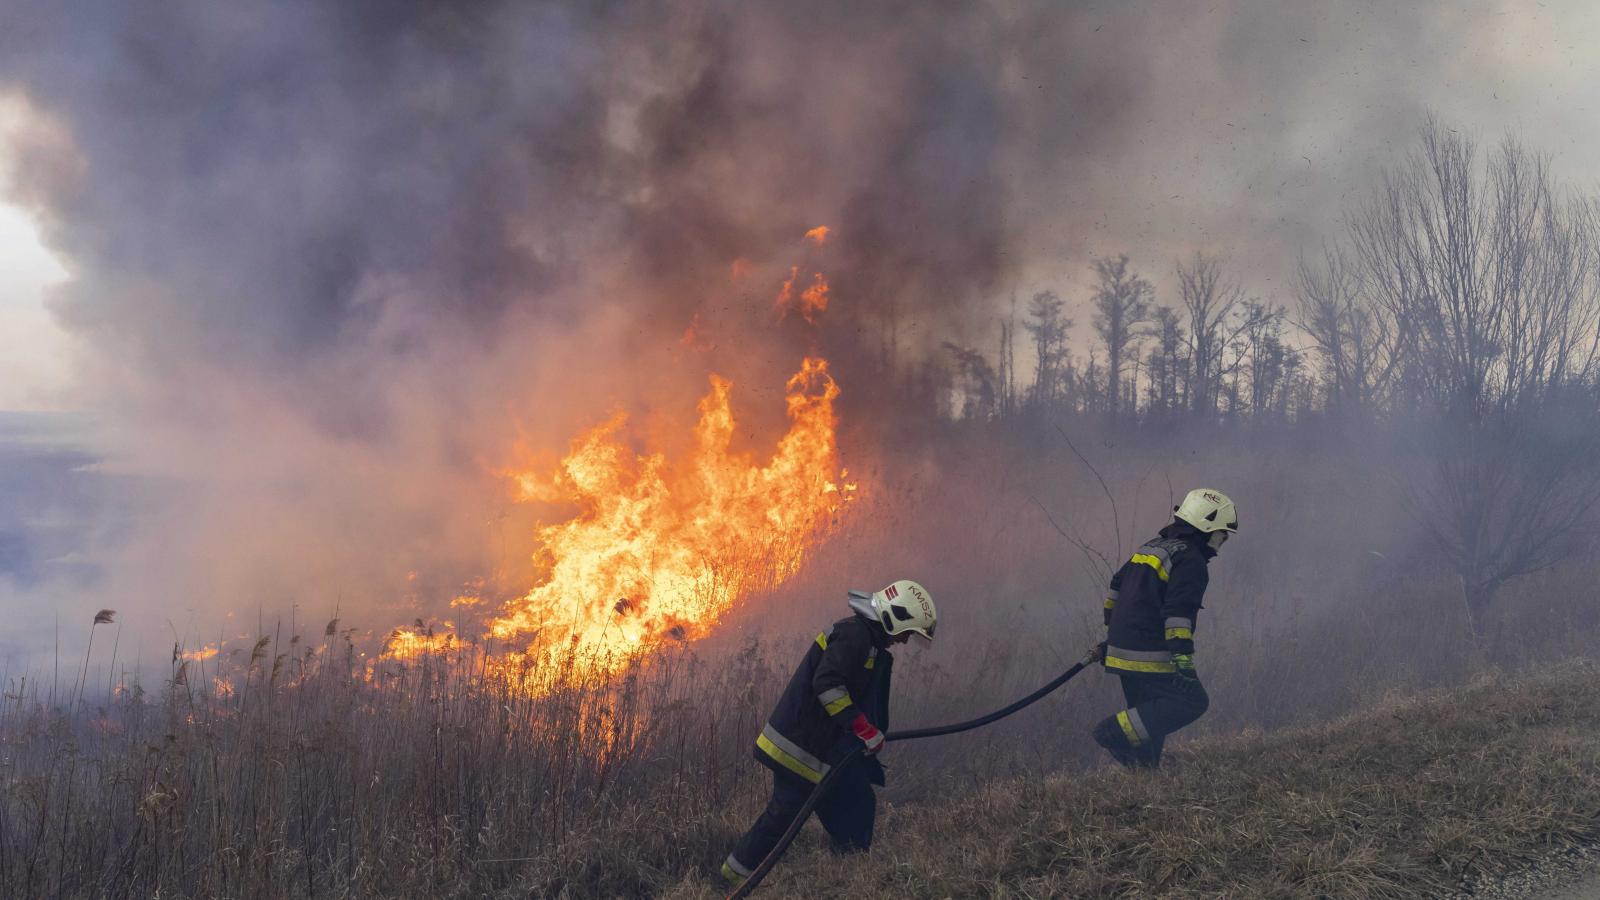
x=338 y=263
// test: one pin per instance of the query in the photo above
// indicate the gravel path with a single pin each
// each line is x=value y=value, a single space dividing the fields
x=1589 y=890
x=1569 y=875
x=1584 y=888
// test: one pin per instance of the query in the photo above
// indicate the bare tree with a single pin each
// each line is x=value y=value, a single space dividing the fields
x=1488 y=275
x=1209 y=302
x=1487 y=269
x=1008 y=360
x=976 y=381
x=1263 y=353
x=1121 y=305
x=1048 y=327
x=1355 y=340
x=1166 y=361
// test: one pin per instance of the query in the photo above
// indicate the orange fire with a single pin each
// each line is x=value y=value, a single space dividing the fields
x=404 y=643
x=663 y=551
x=786 y=293
x=813 y=300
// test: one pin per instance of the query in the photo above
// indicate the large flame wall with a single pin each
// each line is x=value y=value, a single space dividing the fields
x=663 y=548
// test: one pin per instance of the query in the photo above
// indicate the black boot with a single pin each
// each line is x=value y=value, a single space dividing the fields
x=1109 y=735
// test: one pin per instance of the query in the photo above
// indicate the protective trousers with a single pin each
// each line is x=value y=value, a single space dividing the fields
x=1158 y=705
x=847 y=812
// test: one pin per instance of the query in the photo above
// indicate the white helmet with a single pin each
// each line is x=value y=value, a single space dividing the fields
x=901 y=607
x=1208 y=510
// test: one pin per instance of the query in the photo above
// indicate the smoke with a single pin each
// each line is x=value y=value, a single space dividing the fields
x=335 y=261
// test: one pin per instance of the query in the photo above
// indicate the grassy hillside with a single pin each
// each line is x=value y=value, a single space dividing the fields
x=1402 y=800
x=432 y=785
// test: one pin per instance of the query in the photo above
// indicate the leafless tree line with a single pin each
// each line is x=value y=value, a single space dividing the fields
x=1466 y=285
x=1218 y=351
x=1458 y=315
x=1467 y=300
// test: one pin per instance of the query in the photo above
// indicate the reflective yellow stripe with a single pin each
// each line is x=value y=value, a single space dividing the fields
x=834 y=707
x=1134 y=665
x=822 y=639
x=872 y=659
x=1182 y=633
x=1128 y=729
x=1110 y=603
x=733 y=878
x=787 y=761
x=1146 y=559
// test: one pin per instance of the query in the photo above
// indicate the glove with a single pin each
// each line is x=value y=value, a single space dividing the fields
x=1100 y=651
x=870 y=736
x=1185 y=666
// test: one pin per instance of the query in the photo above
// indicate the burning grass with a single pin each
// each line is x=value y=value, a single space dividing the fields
x=660 y=550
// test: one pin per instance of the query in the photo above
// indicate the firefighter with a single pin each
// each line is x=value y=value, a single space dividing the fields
x=838 y=699
x=1150 y=614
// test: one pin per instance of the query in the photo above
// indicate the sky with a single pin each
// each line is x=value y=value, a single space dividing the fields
x=1247 y=140
x=1257 y=146
x=323 y=266
x=35 y=371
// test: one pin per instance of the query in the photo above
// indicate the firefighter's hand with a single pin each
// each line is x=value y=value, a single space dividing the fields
x=1185 y=666
x=870 y=736
x=1098 y=654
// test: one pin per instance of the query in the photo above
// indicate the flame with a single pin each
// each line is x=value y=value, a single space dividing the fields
x=203 y=653
x=405 y=643
x=662 y=551
x=786 y=293
x=818 y=234
x=813 y=300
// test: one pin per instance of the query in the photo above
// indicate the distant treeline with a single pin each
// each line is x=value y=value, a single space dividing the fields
x=1466 y=284
x=1450 y=333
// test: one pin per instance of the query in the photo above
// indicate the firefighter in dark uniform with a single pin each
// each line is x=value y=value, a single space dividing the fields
x=1150 y=615
x=838 y=699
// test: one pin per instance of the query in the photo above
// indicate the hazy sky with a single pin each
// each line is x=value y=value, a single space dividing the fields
x=328 y=263
x=1249 y=133
x=34 y=367
x=1253 y=140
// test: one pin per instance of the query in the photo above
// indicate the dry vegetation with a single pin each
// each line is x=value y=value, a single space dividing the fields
x=432 y=783
x=308 y=779
x=1403 y=800
x=432 y=780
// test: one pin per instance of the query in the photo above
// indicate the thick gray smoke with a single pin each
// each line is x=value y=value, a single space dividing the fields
x=336 y=260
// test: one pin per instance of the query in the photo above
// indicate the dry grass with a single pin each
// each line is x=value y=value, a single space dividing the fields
x=432 y=781
x=307 y=780
x=1403 y=800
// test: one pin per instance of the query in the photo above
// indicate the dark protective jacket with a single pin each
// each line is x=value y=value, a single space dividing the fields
x=845 y=671
x=1154 y=600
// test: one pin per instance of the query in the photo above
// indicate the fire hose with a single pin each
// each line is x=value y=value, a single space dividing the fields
x=760 y=872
